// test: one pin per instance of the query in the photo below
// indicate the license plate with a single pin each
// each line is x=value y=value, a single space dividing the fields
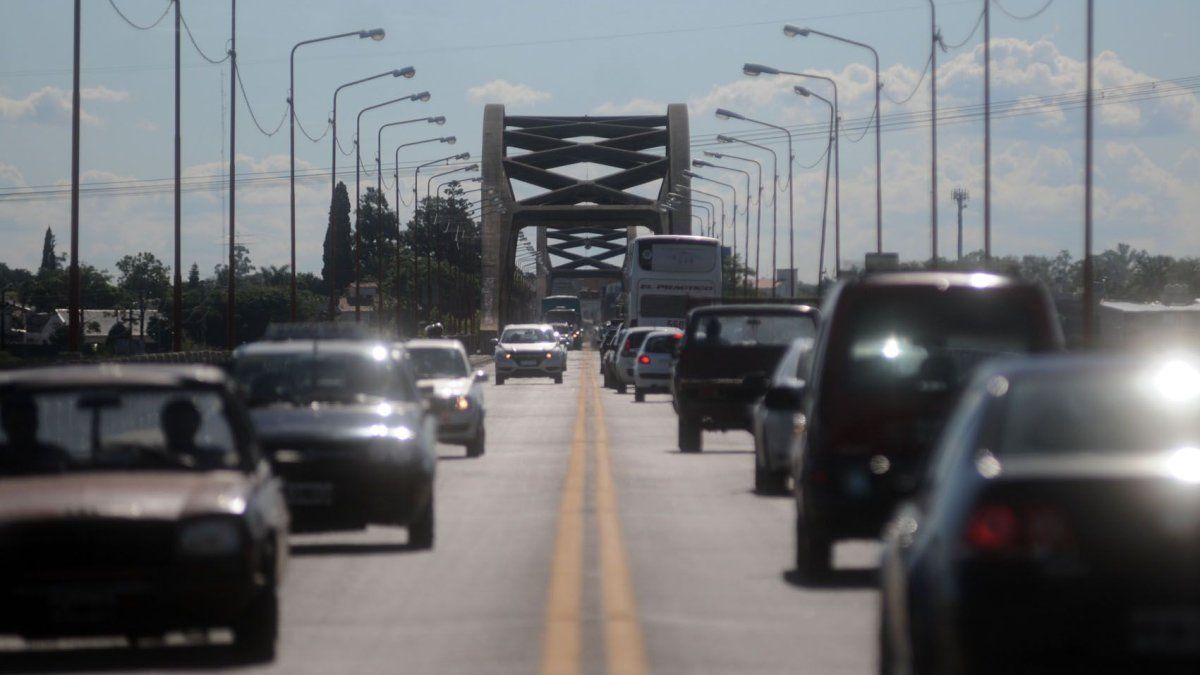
x=1170 y=631
x=527 y=362
x=309 y=494
x=83 y=607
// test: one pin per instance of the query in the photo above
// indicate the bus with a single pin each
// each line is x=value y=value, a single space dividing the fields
x=666 y=275
x=562 y=309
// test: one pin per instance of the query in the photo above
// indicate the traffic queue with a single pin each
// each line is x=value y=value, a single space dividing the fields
x=1037 y=508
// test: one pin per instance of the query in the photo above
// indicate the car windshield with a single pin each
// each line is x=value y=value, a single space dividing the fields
x=1102 y=412
x=915 y=343
x=116 y=428
x=434 y=362
x=300 y=378
x=661 y=344
x=517 y=336
x=747 y=330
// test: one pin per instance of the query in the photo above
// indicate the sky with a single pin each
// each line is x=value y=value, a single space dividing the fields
x=559 y=57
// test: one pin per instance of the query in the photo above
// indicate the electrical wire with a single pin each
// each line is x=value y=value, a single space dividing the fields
x=113 y=4
x=1027 y=17
x=916 y=87
x=946 y=48
x=192 y=38
x=328 y=126
x=242 y=86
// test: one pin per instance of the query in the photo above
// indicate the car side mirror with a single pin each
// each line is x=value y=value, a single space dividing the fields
x=481 y=376
x=757 y=383
x=785 y=397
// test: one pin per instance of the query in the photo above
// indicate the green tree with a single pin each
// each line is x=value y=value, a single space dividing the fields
x=338 y=256
x=193 y=279
x=377 y=231
x=50 y=261
x=143 y=278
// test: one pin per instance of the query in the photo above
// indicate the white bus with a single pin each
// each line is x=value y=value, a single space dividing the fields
x=666 y=275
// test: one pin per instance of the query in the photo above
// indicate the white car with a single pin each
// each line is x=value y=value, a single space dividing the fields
x=627 y=351
x=652 y=367
x=776 y=419
x=455 y=394
x=529 y=350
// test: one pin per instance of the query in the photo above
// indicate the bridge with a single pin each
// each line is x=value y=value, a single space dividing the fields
x=584 y=183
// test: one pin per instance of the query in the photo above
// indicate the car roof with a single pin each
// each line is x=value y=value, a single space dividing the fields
x=307 y=346
x=940 y=279
x=646 y=329
x=434 y=343
x=527 y=326
x=756 y=308
x=1066 y=365
x=86 y=376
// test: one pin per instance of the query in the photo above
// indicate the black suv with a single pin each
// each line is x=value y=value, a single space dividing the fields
x=892 y=355
x=724 y=361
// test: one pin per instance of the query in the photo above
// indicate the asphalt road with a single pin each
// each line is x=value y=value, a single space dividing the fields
x=582 y=542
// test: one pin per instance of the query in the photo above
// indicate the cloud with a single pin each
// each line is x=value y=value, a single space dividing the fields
x=503 y=91
x=146 y=125
x=52 y=106
x=637 y=106
x=11 y=176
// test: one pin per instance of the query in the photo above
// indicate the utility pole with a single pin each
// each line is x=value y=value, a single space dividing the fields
x=960 y=195
x=1089 y=318
x=987 y=132
x=933 y=191
x=73 y=315
x=177 y=294
x=231 y=303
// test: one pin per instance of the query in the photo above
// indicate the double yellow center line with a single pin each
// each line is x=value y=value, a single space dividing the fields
x=563 y=639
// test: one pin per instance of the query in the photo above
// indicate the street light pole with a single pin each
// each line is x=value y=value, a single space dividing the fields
x=825 y=200
x=987 y=133
x=758 y=208
x=177 y=291
x=728 y=114
x=720 y=201
x=933 y=200
x=792 y=31
x=429 y=235
x=746 y=242
x=1089 y=316
x=396 y=176
x=375 y=34
x=73 y=316
x=721 y=138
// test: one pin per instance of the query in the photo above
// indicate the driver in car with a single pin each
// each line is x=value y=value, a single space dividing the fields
x=22 y=452
x=180 y=421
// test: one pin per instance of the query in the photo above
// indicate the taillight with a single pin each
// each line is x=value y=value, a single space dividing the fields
x=1028 y=530
x=644 y=360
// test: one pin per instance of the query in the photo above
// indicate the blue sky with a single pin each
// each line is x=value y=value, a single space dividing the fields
x=592 y=58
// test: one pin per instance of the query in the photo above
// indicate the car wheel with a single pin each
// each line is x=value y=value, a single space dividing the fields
x=475 y=448
x=499 y=379
x=420 y=531
x=767 y=482
x=639 y=395
x=622 y=388
x=558 y=379
x=257 y=630
x=887 y=660
x=813 y=551
x=689 y=435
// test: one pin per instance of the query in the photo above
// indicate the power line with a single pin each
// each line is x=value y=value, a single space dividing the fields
x=916 y=87
x=947 y=48
x=192 y=38
x=1027 y=17
x=113 y=4
x=254 y=118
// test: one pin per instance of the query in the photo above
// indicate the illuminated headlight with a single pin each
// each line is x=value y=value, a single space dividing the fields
x=549 y=355
x=215 y=537
x=462 y=403
x=504 y=355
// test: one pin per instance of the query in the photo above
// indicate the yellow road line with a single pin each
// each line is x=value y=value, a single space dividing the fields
x=623 y=641
x=561 y=642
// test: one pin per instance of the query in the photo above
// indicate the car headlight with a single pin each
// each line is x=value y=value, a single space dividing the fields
x=212 y=537
x=504 y=355
x=462 y=403
x=549 y=355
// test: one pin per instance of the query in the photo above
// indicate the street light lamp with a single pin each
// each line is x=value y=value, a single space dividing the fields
x=728 y=114
x=793 y=31
x=755 y=69
x=375 y=34
x=396 y=177
x=803 y=91
x=746 y=243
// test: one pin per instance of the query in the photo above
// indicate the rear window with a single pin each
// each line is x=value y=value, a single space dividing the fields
x=661 y=344
x=634 y=340
x=927 y=341
x=745 y=330
x=1103 y=412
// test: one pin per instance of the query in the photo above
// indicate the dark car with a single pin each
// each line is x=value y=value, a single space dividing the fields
x=133 y=501
x=893 y=353
x=346 y=427
x=725 y=360
x=1058 y=526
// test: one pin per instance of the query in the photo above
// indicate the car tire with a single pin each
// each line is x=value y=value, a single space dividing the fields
x=638 y=395
x=814 y=551
x=421 y=530
x=476 y=446
x=767 y=482
x=689 y=435
x=256 y=632
x=499 y=379
x=558 y=379
x=622 y=388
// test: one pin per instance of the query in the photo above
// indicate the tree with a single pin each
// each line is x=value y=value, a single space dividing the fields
x=377 y=226
x=193 y=280
x=143 y=277
x=338 y=256
x=50 y=261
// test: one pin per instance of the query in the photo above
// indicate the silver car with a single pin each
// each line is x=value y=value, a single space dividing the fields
x=776 y=419
x=455 y=394
x=652 y=367
x=529 y=350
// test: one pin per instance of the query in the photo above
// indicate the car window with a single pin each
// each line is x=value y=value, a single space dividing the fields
x=635 y=338
x=742 y=330
x=518 y=336
x=434 y=362
x=794 y=360
x=661 y=344
x=958 y=436
x=117 y=428
x=1096 y=413
x=337 y=377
